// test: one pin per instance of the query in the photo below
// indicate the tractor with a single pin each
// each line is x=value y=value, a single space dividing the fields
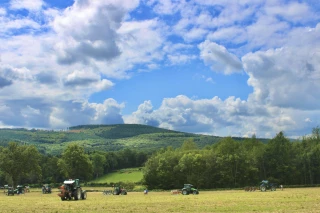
x=264 y=185
x=46 y=188
x=118 y=190
x=12 y=191
x=72 y=189
x=9 y=191
x=189 y=189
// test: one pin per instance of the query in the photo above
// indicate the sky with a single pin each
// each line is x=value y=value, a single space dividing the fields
x=224 y=68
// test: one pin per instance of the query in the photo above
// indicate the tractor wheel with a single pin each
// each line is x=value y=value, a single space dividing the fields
x=273 y=188
x=77 y=195
x=124 y=193
x=263 y=188
x=63 y=198
x=185 y=192
x=195 y=192
x=84 y=195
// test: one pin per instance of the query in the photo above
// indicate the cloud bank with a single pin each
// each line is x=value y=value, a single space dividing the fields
x=54 y=60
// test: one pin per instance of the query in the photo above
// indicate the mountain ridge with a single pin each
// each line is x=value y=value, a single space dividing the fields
x=105 y=138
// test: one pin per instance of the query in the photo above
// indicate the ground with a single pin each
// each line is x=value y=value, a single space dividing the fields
x=290 y=200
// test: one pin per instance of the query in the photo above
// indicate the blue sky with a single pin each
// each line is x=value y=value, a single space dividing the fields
x=226 y=68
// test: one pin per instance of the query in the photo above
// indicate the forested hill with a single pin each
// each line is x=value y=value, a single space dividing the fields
x=105 y=138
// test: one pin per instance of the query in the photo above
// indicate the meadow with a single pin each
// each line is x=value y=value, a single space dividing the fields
x=123 y=175
x=290 y=200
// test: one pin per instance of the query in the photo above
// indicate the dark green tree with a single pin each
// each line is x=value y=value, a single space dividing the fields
x=74 y=163
x=20 y=161
x=278 y=159
x=98 y=163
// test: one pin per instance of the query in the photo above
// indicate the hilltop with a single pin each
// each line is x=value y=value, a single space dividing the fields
x=104 y=137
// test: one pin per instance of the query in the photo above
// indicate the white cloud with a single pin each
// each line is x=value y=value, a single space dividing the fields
x=167 y=7
x=2 y=11
x=180 y=58
x=230 y=117
x=32 y=5
x=236 y=35
x=288 y=76
x=308 y=120
x=95 y=35
x=292 y=12
x=219 y=58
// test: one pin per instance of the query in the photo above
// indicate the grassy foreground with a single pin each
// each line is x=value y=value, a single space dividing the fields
x=290 y=200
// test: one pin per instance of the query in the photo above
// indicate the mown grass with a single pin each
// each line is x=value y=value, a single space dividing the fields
x=124 y=175
x=290 y=200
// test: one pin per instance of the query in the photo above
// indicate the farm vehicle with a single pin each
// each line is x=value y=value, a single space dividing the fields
x=189 y=189
x=11 y=191
x=71 y=189
x=265 y=185
x=117 y=190
x=46 y=188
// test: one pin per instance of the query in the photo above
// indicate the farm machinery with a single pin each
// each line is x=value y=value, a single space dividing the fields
x=189 y=189
x=72 y=189
x=117 y=190
x=11 y=191
x=264 y=185
x=46 y=188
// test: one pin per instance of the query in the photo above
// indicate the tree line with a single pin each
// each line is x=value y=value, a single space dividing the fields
x=232 y=164
x=24 y=164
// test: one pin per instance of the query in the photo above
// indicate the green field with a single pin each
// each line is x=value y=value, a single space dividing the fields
x=290 y=200
x=124 y=175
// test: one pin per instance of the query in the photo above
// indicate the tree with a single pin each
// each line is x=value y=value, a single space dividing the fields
x=279 y=159
x=18 y=161
x=74 y=163
x=98 y=162
x=189 y=145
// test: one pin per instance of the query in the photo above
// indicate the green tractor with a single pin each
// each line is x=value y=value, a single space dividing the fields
x=72 y=189
x=118 y=190
x=46 y=188
x=11 y=191
x=264 y=185
x=189 y=189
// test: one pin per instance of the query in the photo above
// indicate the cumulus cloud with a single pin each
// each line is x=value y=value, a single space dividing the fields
x=95 y=35
x=219 y=58
x=229 y=117
x=288 y=76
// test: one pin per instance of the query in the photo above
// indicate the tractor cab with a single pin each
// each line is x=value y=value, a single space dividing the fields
x=189 y=189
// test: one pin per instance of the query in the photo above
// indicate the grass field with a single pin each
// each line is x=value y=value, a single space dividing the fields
x=290 y=200
x=124 y=175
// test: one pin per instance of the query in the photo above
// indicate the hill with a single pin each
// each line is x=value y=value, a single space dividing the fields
x=104 y=137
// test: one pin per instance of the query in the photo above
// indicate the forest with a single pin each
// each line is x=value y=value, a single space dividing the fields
x=234 y=164
x=228 y=163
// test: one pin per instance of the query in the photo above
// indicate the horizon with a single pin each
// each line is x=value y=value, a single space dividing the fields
x=205 y=67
